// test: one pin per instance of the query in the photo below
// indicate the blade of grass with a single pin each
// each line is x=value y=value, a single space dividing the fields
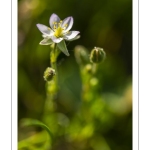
x=33 y=122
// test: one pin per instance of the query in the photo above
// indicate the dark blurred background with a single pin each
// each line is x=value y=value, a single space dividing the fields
x=102 y=23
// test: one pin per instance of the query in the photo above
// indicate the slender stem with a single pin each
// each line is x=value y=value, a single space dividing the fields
x=52 y=86
x=95 y=66
x=51 y=89
x=53 y=63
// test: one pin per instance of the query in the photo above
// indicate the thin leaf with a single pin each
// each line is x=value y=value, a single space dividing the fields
x=33 y=122
x=62 y=47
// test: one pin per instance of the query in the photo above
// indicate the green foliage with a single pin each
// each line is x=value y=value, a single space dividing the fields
x=33 y=122
x=90 y=108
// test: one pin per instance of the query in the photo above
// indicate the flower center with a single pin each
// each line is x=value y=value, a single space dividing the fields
x=58 y=32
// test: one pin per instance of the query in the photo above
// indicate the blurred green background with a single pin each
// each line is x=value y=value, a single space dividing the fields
x=102 y=23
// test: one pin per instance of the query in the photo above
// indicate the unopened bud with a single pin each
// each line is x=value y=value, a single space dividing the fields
x=81 y=55
x=49 y=74
x=97 y=55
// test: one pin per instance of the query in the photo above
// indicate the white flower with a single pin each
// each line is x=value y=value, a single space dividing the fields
x=59 y=31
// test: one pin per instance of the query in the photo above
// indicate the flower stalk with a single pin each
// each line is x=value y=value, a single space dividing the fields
x=53 y=62
x=55 y=35
x=52 y=86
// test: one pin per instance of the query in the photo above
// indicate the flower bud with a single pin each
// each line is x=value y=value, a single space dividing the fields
x=49 y=74
x=81 y=55
x=97 y=55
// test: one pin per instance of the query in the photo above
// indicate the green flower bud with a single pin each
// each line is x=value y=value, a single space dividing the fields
x=81 y=55
x=97 y=55
x=49 y=74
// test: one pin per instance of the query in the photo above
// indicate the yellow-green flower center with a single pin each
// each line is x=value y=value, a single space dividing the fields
x=58 y=32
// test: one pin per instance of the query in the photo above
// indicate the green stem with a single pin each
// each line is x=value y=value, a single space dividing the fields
x=53 y=63
x=52 y=86
x=95 y=67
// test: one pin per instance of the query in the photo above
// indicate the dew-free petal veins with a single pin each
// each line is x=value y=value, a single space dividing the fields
x=44 y=29
x=75 y=38
x=67 y=23
x=53 y=19
x=71 y=35
x=56 y=40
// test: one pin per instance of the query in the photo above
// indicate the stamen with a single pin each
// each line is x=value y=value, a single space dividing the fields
x=54 y=26
x=58 y=32
x=65 y=26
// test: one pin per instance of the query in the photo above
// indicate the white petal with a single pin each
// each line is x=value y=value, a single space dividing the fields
x=71 y=35
x=54 y=18
x=46 y=42
x=44 y=29
x=56 y=40
x=75 y=38
x=45 y=36
x=62 y=47
x=67 y=24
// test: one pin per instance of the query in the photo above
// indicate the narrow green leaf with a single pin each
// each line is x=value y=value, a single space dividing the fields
x=62 y=47
x=36 y=139
x=33 y=122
